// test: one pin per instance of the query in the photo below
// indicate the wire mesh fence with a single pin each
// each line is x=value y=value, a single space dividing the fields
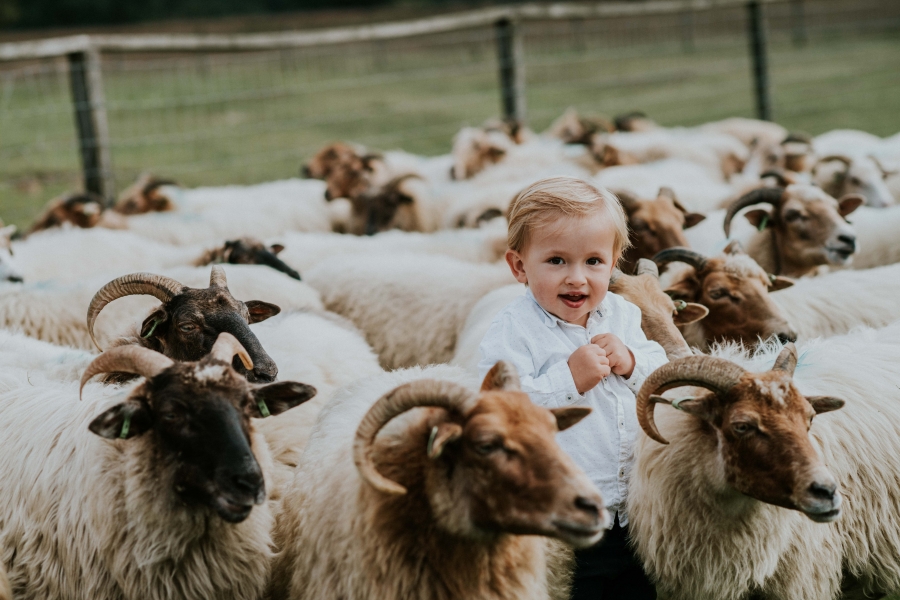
x=207 y=118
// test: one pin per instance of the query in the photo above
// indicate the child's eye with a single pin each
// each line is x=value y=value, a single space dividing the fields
x=555 y=260
x=594 y=261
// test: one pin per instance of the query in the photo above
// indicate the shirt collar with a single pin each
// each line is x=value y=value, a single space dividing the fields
x=552 y=321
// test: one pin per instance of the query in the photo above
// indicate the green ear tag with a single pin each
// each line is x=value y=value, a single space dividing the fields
x=430 y=449
x=263 y=409
x=680 y=305
x=676 y=404
x=152 y=329
x=126 y=425
x=763 y=223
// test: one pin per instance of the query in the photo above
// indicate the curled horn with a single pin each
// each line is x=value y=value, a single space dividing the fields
x=800 y=137
x=217 y=277
x=127 y=359
x=787 y=359
x=226 y=347
x=645 y=266
x=771 y=196
x=712 y=373
x=778 y=175
x=425 y=392
x=158 y=286
x=678 y=254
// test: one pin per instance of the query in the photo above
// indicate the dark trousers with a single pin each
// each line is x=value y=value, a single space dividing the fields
x=611 y=570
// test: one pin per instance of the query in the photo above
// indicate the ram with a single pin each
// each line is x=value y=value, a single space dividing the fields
x=415 y=486
x=155 y=491
x=763 y=515
x=410 y=308
x=734 y=289
x=660 y=315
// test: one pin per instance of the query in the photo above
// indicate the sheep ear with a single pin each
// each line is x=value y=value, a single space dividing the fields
x=260 y=311
x=759 y=218
x=824 y=404
x=123 y=421
x=777 y=282
x=151 y=323
x=440 y=436
x=276 y=248
x=690 y=313
x=702 y=407
x=733 y=247
x=691 y=219
x=569 y=415
x=276 y=398
x=503 y=377
x=847 y=204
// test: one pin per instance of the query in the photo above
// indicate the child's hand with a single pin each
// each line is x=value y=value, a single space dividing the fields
x=621 y=360
x=589 y=365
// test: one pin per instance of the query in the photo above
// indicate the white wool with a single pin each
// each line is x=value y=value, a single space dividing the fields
x=701 y=540
x=749 y=131
x=43 y=359
x=86 y=518
x=410 y=308
x=877 y=238
x=57 y=312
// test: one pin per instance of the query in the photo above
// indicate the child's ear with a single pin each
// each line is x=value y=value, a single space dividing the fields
x=516 y=265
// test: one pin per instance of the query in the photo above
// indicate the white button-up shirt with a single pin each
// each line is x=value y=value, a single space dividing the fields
x=539 y=344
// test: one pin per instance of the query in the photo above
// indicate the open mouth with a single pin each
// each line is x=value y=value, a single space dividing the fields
x=578 y=534
x=232 y=511
x=824 y=517
x=843 y=253
x=575 y=300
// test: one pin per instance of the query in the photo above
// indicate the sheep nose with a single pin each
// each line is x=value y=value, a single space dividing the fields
x=327 y=194
x=304 y=171
x=848 y=240
x=787 y=336
x=249 y=482
x=823 y=491
x=588 y=506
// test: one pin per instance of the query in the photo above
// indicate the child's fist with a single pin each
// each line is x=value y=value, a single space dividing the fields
x=621 y=360
x=589 y=365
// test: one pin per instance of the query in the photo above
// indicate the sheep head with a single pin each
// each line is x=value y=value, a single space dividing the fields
x=188 y=322
x=864 y=176
x=809 y=227
x=485 y=463
x=634 y=121
x=81 y=210
x=144 y=196
x=735 y=290
x=660 y=314
x=655 y=225
x=390 y=206
x=248 y=251
x=476 y=148
x=8 y=269
x=197 y=415
x=574 y=129
x=758 y=423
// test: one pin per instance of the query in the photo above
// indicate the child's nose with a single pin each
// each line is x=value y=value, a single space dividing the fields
x=575 y=275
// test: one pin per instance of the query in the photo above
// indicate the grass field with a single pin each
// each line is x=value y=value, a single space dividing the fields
x=218 y=119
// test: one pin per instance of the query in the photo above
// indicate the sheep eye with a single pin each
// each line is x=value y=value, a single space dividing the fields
x=717 y=293
x=742 y=428
x=855 y=181
x=487 y=447
x=792 y=215
x=187 y=327
x=169 y=417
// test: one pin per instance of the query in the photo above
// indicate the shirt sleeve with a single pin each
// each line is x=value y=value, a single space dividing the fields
x=505 y=340
x=648 y=355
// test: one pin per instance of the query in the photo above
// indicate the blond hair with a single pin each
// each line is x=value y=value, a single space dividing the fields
x=549 y=199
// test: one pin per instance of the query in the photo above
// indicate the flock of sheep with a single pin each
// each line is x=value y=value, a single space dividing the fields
x=296 y=414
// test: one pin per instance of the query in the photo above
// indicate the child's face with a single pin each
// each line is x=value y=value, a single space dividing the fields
x=567 y=264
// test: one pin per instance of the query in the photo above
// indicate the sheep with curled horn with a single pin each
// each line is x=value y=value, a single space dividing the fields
x=751 y=481
x=185 y=326
x=415 y=486
x=840 y=175
x=736 y=291
x=804 y=228
x=155 y=491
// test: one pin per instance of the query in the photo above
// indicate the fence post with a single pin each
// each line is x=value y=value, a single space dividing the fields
x=757 y=34
x=512 y=69
x=687 y=30
x=90 y=122
x=798 y=23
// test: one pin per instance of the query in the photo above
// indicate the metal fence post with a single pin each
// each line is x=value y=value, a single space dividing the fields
x=798 y=23
x=90 y=122
x=757 y=34
x=512 y=69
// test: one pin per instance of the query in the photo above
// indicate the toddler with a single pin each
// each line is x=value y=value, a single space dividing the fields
x=575 y=343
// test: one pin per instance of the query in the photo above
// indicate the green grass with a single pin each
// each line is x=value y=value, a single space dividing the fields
x=218 y=119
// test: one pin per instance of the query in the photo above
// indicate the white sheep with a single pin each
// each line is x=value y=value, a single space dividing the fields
x=131 y=494
x=427 y=508
x=731 y=538
x=410 y=308
x=751 y=132
x=58 y=363
x=56 y=312
x=876 y=229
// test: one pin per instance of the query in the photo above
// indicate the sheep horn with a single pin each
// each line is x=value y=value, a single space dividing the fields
x=217 y=277
x=715 y=374
x=771 y=196
x=800 y=137
x=161 y=287
x=779 y=175
x=127 y=359
x=426 y=392
x=226 y=347
x=667 y=192
x=839 y=157
x=678 y=254
x=787 y=359
x=645 y=266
